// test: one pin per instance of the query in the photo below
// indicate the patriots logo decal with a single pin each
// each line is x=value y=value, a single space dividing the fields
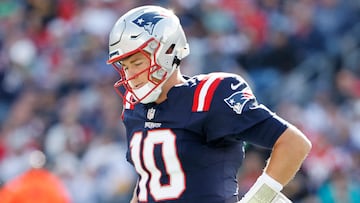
x=148 y=21
x=238 y=100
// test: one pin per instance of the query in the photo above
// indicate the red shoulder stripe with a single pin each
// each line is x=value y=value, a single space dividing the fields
x=204 y=93
x=197 y=94
x=210 y=93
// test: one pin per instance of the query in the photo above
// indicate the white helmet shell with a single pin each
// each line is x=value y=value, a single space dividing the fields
x=154 y=29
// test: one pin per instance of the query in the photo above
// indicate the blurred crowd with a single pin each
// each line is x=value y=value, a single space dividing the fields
x=301 y=57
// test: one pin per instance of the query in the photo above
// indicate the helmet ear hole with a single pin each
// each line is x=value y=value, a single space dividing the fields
x=170 y=49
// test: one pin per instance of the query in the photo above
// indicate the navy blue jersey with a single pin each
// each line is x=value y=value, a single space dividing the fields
x=190 y=147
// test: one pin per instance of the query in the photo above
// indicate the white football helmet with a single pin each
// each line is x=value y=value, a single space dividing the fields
x=154 y=30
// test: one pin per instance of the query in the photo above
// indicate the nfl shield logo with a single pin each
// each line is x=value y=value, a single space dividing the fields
x=150 y=114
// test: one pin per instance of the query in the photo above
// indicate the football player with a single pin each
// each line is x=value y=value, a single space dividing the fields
x=186 y=135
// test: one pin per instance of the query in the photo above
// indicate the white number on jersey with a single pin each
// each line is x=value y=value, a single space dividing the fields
x=166 y=139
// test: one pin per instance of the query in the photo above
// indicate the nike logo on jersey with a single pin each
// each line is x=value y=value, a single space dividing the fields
x=235 y=87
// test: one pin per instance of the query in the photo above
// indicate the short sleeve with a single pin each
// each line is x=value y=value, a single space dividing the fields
x=234 y=109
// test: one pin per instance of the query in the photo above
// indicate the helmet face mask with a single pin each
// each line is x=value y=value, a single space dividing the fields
x=155 y=77
x=155 y=32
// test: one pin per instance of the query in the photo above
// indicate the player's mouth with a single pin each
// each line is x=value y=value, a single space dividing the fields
x=137 y=86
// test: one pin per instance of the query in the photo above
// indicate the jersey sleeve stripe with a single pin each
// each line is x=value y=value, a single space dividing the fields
x=204 y=93
x=210 y=93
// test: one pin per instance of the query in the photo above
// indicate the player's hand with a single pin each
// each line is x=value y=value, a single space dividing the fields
x=265 y=190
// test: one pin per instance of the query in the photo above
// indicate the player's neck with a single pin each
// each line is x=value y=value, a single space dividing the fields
x=175 y=79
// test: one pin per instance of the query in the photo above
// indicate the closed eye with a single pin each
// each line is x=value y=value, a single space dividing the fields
x=139 y=63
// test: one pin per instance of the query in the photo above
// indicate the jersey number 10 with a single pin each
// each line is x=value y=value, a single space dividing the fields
x=166 y=139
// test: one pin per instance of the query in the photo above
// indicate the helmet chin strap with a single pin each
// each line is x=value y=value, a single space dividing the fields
x=143 y=92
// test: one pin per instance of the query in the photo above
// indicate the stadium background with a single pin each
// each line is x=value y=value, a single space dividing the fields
x=301 y=57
